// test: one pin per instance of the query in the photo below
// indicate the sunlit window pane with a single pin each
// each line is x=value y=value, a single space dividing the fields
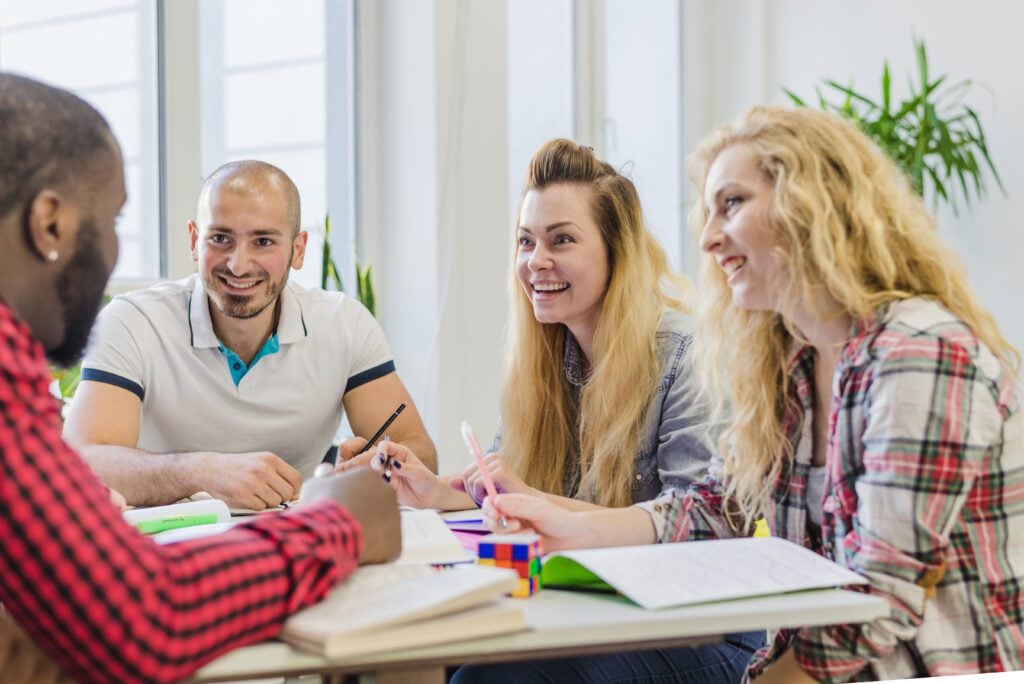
x=642 y=109
x=265 y=95
x=104 y=51
x=540 y=81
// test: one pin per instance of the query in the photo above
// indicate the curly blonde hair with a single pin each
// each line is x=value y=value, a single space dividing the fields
x=850 y=228
x=538 y=418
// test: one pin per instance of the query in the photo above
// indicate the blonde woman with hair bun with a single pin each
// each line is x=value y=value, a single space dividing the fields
x=874 y=411
x=600 y=405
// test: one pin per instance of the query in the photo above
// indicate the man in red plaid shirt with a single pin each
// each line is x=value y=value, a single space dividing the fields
x=105 y=602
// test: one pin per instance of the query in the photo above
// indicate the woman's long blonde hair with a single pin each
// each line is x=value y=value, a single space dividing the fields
x=849 y=227
x=537 y=414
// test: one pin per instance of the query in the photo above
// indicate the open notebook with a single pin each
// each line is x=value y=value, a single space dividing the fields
x=667 y=575
x=427 y=539
x=394 y=606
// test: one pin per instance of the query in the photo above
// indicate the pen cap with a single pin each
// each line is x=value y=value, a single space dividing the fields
x=470 y=439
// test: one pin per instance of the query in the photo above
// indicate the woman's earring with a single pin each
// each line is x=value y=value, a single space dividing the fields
x=52 y=256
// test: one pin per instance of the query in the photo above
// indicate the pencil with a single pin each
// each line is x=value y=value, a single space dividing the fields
x=474 y=449
x=387 y=423
x=333 y=457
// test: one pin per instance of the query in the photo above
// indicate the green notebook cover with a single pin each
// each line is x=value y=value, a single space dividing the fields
x=559 y=572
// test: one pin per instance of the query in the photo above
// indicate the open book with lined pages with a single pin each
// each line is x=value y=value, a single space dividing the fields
x=411 y=605
x=668 y=575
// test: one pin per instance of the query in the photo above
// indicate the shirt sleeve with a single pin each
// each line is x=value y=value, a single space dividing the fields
x=371 y=355
x=685 y=434
x=932 y=419
x=697 y=512
x=109 y=604
x=115 y=350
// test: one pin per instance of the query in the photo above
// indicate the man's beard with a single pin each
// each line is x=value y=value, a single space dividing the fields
x=80 y=289
x=242 y=306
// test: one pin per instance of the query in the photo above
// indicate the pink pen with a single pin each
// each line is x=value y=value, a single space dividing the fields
x=474 y=449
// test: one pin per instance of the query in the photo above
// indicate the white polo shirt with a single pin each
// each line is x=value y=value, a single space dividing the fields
x=159 y=343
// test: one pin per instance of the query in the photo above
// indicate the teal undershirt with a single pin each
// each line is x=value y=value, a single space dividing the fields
x=237 y=366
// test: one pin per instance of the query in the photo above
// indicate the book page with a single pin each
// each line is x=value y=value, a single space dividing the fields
x=664 y=575
x=378 y=596
x=500 y=616
x=426 y=539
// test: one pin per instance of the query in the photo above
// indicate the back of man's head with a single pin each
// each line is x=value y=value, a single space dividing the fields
x=49 y=138
x=248 y=178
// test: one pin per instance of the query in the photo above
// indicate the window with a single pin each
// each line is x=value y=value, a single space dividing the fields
x=104 y=51
x=606 y=75
x=274 y=87
x=540 y=82
x=642 y=110
x=275 y=83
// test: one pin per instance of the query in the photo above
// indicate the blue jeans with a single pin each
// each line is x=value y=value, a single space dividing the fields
x=720 y=663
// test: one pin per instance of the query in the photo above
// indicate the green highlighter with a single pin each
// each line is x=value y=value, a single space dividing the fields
x=174 y=522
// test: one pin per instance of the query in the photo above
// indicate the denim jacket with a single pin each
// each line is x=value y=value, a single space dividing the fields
x=676 y=447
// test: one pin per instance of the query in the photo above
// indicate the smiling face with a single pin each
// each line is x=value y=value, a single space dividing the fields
x=245 y=244
x=739 y=233
x=561 y=257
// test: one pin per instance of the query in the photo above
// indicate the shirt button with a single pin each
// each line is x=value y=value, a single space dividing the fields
x=639 y=477
x=238 y=366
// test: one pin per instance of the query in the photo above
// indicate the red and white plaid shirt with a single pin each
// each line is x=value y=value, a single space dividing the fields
x=924 y=497
x=106 y=602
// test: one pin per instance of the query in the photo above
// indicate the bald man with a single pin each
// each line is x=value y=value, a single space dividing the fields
x=234 y=381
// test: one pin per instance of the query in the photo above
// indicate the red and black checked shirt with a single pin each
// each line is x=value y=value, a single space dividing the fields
x=106 y=602
x=924 y=497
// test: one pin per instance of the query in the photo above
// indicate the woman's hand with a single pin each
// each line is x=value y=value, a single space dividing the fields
x=562 y=529
x=506 y=481
x=415 y=484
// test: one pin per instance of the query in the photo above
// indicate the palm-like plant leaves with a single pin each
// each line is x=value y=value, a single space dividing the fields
x=935 y=138
x=331 y=276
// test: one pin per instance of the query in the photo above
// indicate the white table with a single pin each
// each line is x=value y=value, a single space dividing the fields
x=563 y=624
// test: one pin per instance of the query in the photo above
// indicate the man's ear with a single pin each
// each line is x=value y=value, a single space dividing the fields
x=51 y=225
x=299 y=249
x=193 y=240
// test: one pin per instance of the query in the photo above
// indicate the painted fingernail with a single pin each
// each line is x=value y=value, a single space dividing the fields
x=387 y=478
x=396 y=465
x=380 y=458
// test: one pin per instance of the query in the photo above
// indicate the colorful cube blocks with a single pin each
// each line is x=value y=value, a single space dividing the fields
x=528 y=586
x=520 y=552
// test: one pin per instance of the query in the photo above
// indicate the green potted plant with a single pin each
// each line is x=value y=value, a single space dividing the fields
x=933 y=135
x=330 y=277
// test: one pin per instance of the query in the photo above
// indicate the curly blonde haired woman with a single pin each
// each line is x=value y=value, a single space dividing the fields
x=875 y=418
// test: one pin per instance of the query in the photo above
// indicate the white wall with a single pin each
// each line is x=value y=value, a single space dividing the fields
x=435 y=174
x=741 y=52
x=434 y=205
